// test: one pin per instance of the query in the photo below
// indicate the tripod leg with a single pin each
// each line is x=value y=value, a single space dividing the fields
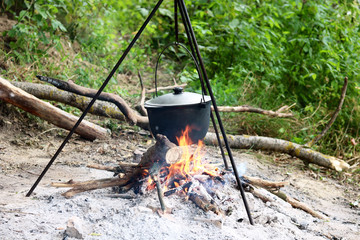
x=203 y=87
x=187 y=22
x=176 y=21
x=95 y=97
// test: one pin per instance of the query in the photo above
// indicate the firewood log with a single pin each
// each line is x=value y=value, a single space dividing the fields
x=264 y=183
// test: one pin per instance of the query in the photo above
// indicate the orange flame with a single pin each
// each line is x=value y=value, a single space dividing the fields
x=190 y=164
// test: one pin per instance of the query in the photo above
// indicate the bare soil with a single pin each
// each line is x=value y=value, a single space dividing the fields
x=27 y=144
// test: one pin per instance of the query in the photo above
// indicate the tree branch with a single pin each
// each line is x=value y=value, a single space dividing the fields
x=246 y=108
x=70 y=86
x=100 y=108
x=333 y=118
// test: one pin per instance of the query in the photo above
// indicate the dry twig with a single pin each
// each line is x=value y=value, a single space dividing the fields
x=333 y=118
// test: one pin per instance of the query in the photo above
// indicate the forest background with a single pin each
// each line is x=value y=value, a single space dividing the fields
x=261 y=53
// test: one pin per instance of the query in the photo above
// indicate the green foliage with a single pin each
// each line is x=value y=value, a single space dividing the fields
x=269 y=53
x=37 y=29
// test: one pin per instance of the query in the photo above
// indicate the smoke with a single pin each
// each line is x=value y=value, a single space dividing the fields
x=241 y=168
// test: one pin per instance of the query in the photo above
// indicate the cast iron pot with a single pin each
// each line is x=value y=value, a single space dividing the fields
x=171 y=113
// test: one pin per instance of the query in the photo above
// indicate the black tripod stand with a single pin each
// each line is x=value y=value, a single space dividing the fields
x=205 y=83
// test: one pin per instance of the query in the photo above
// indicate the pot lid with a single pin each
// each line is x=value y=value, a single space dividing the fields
x=177 y=98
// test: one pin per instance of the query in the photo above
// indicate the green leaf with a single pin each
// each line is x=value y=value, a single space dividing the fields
x=41 y=11
x=234 y=23
x=22 y=14
x=166 y=12
x=144 y=12
x=56 y=24
x=313 y=75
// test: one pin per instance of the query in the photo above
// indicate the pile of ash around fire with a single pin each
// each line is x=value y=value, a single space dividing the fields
x=102 y=214
x=47 y=216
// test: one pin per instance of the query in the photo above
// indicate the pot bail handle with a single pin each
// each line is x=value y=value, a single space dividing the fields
x=193 y=58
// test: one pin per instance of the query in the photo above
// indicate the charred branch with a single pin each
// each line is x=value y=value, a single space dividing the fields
x=204 y=204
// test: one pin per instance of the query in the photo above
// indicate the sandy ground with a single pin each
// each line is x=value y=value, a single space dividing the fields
x=27 y=146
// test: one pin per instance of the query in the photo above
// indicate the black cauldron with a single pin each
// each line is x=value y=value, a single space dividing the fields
x=171 y=113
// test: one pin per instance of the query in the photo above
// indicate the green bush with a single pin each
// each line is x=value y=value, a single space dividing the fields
x=287 y=52
x=262 y=53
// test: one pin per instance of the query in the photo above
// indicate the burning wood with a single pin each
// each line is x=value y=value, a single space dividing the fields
x=178 y=168
x=157 y=156
x=183 y=187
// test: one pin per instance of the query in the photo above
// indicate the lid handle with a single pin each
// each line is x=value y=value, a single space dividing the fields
x=178 y=90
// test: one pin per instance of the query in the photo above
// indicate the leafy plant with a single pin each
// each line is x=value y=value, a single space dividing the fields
x=262 y=53
x=37 y=30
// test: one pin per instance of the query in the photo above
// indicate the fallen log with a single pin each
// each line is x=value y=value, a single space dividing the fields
x=70 y=86
x=251 y=109
x=48 y=112
x=42 y=91
x=278 y=145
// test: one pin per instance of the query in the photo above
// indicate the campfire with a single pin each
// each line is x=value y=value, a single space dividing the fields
x=191 y=176
x=172 y=169
x=190 y=165
x=180 y=169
